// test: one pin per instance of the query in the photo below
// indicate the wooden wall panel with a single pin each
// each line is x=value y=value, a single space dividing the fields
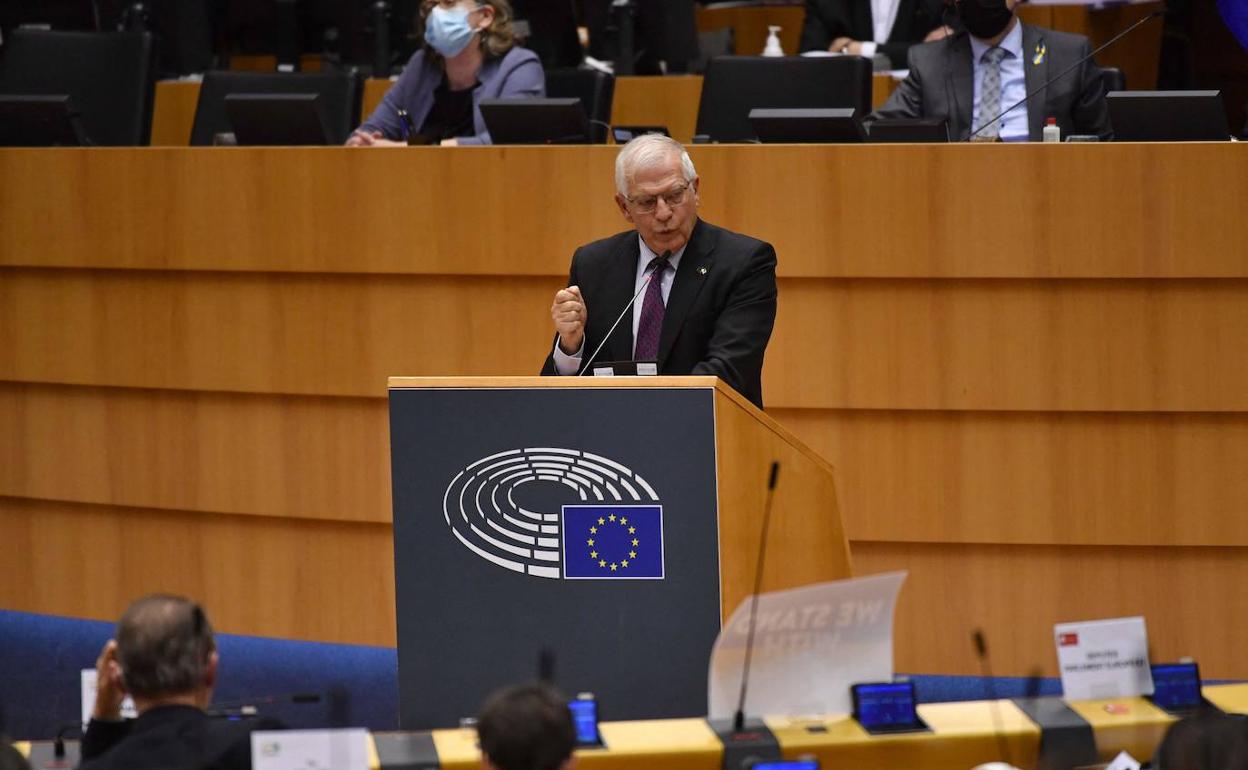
x=322 y=458
x=1024 y=345
x=298 y=579
x=1189 y=597
x=1026 y=477
x=904 y=476
x=272 y=333
x=859 y=344
x=1043 y=415
x=831 y=211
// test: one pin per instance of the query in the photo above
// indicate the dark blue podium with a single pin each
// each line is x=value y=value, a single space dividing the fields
x=612 y=521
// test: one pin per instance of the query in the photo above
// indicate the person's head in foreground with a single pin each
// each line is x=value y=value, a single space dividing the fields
x=526 y=727
x=657 y=191
x=164 y=653
x=1210 y=740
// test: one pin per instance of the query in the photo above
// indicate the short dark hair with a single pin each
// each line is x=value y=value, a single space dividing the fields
x=526 y=727
x=163 y=645
x=1209 y=740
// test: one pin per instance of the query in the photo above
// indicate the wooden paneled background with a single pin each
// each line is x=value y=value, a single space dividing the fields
x=1027 y=364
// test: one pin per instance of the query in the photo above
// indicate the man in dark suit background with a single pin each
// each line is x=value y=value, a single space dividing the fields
x=868 y=27
x=971 y=77
x=165 y=657
x=711 y=305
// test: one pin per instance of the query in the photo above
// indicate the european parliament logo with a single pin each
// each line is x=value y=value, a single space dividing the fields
x=607 y=525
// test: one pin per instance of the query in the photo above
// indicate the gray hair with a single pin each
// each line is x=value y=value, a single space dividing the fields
x=163 y=645
x=645 y=151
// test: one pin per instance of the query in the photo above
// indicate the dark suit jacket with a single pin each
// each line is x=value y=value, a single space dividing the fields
x=826 y=20
x=171 y=738
x=720 y=310
x=941 y=85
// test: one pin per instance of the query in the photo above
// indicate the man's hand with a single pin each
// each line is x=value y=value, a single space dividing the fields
x=360 y=138
x=109 y=690
x=940 y=33
x=846 y=45
x=372 y=139
x=568 y=313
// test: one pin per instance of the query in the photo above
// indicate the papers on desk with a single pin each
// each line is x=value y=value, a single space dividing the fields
x=1103 y=659
x=310 y=749
x=1123 y=761
x=810 y=645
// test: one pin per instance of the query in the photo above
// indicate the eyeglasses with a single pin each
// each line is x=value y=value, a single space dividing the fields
x=673 y=198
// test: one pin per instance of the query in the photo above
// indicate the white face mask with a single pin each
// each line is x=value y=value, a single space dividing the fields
x=448 y=31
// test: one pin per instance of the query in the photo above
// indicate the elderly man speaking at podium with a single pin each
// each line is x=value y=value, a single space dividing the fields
x=702 y=298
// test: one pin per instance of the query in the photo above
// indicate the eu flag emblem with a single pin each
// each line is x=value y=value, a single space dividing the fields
x=613 y=542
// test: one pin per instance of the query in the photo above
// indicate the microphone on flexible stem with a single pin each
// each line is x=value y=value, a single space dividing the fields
x=738 y=719
x=664 y=258
x=1066 y=71
x=981 y=649
x=546 y=666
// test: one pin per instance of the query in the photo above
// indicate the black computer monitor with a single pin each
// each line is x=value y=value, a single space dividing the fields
x=899 y=130
x=831 y=125
x=278 y=119
x=1168 y=116
x=734 y=85
x=40 y=121
x=535 y=121
x=338 y=92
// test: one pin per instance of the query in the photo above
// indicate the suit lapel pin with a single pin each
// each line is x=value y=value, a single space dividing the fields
x=702 y=270
x=1040 y=52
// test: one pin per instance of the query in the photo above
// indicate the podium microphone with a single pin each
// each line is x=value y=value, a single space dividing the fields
x=1003 y=746
x=1066 y=72
x=738 y=719
x=546 y=666
x=665 y=256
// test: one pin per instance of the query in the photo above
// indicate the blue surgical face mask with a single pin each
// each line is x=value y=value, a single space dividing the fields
x=448 y=31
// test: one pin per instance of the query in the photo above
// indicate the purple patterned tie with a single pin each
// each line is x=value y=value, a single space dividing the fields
x=651 y=323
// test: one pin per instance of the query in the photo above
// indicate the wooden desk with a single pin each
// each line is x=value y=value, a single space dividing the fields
x=1041 y=412
x=666 y=101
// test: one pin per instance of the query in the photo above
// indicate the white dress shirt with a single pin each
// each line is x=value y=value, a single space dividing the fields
x=883 y=17
x=571 y=364
x=1013 y=84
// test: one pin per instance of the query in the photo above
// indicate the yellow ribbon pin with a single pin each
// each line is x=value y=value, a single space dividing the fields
x=1040 y=52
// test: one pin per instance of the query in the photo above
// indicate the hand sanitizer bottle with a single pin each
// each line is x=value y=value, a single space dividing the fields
x=1051 y=132
x=773 y=43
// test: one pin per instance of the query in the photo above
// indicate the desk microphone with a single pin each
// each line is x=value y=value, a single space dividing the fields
x=981 y=650
x=664 y=258
x=738 y=719
x=1066 y=71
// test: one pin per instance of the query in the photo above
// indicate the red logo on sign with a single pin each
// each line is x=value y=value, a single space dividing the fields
x=1067 y=640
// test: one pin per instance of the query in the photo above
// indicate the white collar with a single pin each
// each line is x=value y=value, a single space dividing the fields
x=647 y=254
x=1012 y=43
